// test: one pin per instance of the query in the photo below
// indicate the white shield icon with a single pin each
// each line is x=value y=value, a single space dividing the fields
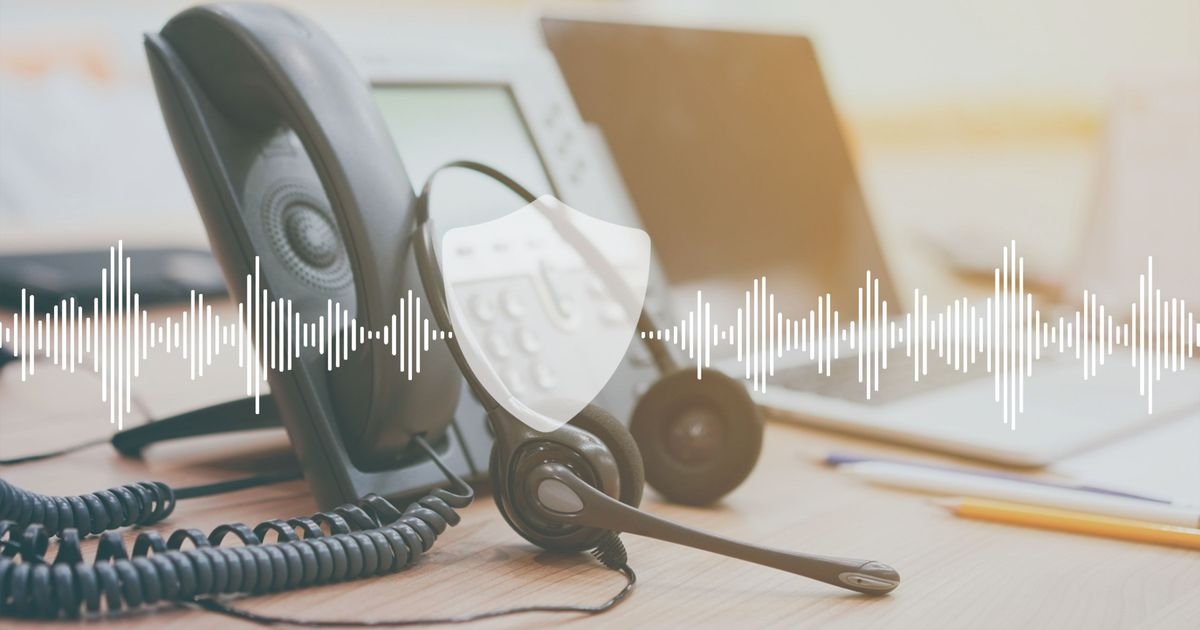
x=544 y=302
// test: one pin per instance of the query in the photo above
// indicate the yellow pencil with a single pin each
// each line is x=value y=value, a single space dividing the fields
x=1076 y=522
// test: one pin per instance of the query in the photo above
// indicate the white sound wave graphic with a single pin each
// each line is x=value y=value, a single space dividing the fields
x=1006 y=332
x=117 y=335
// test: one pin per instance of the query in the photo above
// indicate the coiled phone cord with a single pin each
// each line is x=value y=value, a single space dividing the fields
x=371 y=538
x=367 y=539
x=142 y=503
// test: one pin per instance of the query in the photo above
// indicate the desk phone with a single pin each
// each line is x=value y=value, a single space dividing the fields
x=295 y=165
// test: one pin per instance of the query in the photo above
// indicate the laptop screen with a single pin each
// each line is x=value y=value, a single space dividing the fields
x=731 y=150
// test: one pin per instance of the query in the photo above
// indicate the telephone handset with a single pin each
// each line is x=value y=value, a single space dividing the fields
x=290 y=161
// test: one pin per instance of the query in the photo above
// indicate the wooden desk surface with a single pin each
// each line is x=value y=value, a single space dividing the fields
x=956 y=573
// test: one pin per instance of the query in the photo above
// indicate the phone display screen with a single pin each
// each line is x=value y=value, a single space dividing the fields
x=435 y=124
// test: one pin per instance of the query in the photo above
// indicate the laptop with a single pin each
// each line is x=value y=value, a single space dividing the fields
x=731 y=150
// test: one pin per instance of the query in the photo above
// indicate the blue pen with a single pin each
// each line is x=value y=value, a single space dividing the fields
x=837 y=459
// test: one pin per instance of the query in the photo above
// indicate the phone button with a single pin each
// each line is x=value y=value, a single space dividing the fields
x=528 y=341
x=543 y=377
x=483 y=308
x=612 y=313
x=512 y=304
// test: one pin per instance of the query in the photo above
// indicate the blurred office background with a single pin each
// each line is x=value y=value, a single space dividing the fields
x=972 y=123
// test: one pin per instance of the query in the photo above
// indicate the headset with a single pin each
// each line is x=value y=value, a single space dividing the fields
x=703 y=433
x=240 y=87
x=568 y=489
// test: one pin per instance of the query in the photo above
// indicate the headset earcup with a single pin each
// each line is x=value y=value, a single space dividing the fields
x=624 y=448
x=700 y=437
x=600 y=426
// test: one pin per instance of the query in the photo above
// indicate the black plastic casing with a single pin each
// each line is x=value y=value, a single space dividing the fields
x=262 y=106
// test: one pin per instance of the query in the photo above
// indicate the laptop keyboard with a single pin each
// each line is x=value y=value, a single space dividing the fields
x=895 y=383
